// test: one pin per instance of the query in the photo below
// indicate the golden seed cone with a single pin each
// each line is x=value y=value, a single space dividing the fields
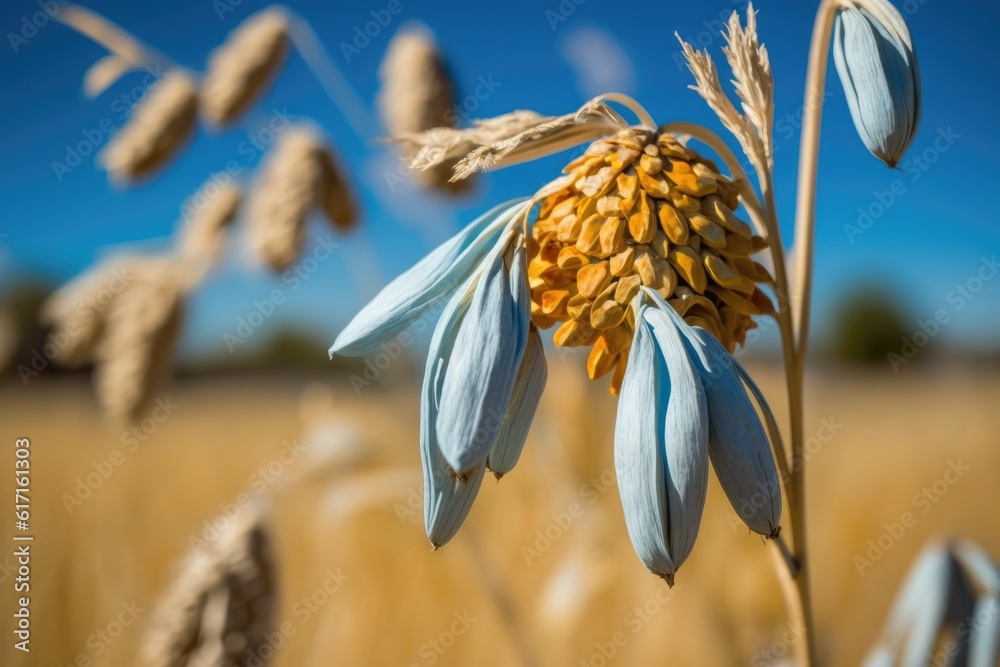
x=240 y=70
x=416 y=93
x=642 y=209
x=220 y=607
x=157 y=127
x=141 y=329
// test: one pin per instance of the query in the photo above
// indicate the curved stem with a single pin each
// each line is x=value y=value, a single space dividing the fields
x=336 y=86
x=112 y=37
x=713 y=141
x=627 y=101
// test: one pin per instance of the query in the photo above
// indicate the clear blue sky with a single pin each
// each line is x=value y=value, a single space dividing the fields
x=931 y=239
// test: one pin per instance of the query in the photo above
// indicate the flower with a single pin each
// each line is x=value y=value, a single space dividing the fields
x=636 y=252
x=874 y=55
x=682 y=404
x=951 y=595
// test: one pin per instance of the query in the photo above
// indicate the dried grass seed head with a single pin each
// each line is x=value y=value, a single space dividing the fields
x=298 y=174
x=240 y=70
x=222 y=602
x=141 y=330
x=416 y=93
x=157 y=127
x=208 y=213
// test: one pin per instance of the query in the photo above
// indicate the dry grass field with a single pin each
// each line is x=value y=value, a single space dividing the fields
x=541 y=574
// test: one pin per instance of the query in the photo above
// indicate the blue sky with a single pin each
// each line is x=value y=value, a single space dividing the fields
x=539 y=55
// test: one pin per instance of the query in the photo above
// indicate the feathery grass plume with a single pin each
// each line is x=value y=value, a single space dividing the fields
x=240 y=70
x=209 y=212
x=416 y=94
x=754 y=85
x=298 y=174
x=141 y=329
x=79 y=310
x=155 y=130
x=512 y=138
x=222 y=602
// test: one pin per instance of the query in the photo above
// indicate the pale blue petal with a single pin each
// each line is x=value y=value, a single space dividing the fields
x=979 y=565
x=737 y=443
x=447 y=499
x=685 y=436
x=920 y=608
x=524 y=400
x=484 y=363
x=639 y=453
x=661 y=444
x=878 y=69
x=985 y=644
x=417 y=290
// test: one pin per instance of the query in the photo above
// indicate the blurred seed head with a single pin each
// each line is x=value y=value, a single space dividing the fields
x=239 y=71
x=416 y=93
x=155 y=130
x=214 y=208
x=298 y=174
x=140 y=331
x=222 y=602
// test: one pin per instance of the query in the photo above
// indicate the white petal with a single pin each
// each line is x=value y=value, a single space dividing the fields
x=528 y=387
x=737 y=443
x=484 y=363
x=447 y=499
x=414 y=292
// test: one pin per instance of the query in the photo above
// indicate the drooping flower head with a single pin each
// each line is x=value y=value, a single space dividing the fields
x=637 y=252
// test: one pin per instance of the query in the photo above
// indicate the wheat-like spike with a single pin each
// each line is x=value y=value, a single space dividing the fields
x=141 y=329
x=158 y=126
x=299 y=173
x=240 y=70
x=512 y=138
x=222 y=602
x=78 y=310
x=753 y=78
x=207 y=214
x=707 y=85
x=416 y=94
x=337 y=200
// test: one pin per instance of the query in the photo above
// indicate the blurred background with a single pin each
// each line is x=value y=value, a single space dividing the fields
x=903 y=383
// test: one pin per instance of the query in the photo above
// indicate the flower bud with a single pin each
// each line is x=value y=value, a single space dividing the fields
x=874 y=55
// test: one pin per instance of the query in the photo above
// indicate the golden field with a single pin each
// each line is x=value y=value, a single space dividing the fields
x=541 y=574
